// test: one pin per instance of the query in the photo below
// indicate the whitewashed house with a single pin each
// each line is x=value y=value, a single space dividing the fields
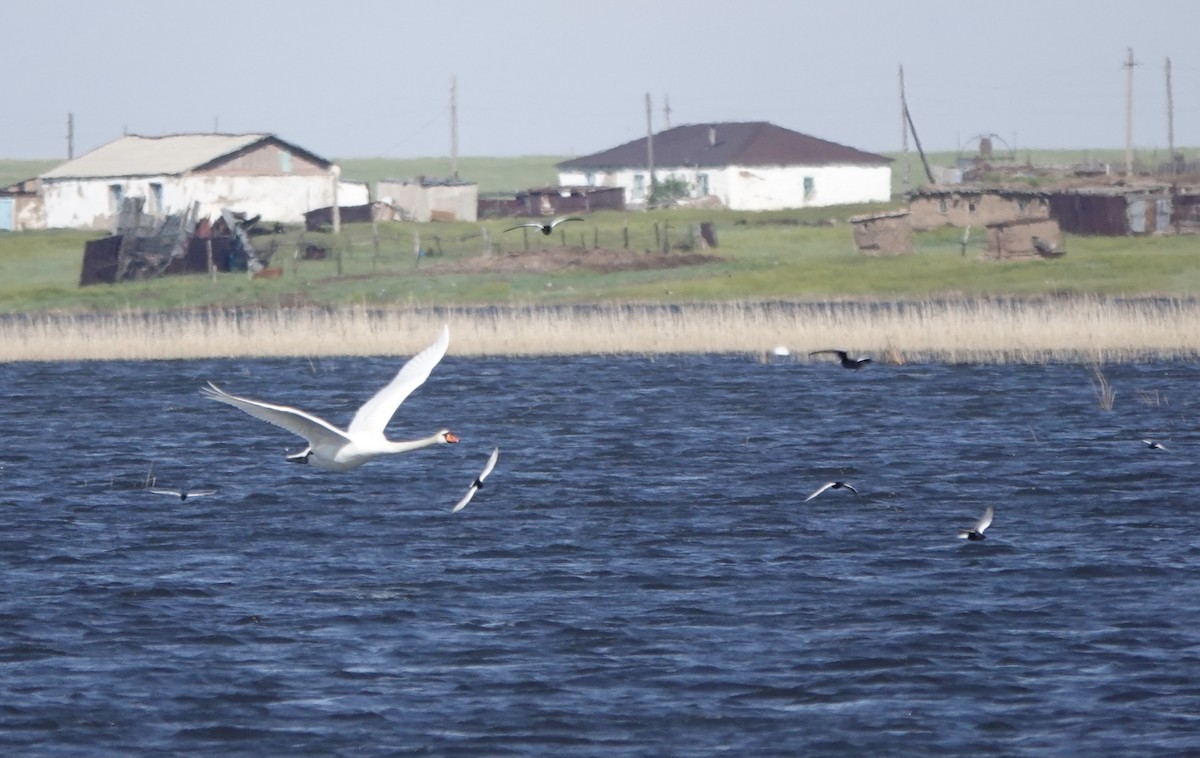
x=258 y=174
x=751 y=166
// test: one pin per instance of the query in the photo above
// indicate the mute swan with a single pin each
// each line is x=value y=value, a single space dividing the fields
x=333 y=449
x=478 y=483
x=1155 y=445
x=181 y=494
x=545 y=228
x=846 y=360
x=831 y=486
x=976 y=532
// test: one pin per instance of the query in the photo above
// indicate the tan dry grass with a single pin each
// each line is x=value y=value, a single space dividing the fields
x=1085 y=330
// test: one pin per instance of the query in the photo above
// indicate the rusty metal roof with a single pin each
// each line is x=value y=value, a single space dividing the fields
x=169 y=155
x=751 y=143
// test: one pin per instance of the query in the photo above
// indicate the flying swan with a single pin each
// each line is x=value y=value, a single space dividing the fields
x=333 y=449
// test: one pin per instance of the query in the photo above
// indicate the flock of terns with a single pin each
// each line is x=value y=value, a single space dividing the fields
x=333 y=449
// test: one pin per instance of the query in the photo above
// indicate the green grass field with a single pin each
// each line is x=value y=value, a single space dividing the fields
x=796 y=255
x=39 y=271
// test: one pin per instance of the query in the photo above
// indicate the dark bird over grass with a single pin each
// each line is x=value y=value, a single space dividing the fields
x=545 y=228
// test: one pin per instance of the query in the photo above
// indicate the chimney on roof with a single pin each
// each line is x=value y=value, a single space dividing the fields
x=712 y=136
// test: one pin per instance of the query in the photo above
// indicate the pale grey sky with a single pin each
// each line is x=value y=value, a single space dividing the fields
x=361 y=78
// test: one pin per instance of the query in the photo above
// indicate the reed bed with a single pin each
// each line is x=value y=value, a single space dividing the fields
x=1087 y=330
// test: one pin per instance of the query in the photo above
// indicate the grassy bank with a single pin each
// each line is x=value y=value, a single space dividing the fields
x=1086 y=330
x=761 y=258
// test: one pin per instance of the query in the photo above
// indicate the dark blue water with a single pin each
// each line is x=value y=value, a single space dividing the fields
x=638 y=577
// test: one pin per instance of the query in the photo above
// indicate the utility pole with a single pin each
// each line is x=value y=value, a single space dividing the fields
x=666 y=111
x=1129 y=64
x=70 y=136
x=454 y=127
x=650 y=143
x=1170 y=121
x=916 y=138
x=905 y=180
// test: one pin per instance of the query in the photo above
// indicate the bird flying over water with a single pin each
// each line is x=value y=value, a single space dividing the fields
x=846 y=360
x=478 y=483
x=1155 y=445
x=181 y=494
x=976 y=532
x=831 y=486
x=545 y=228
x=334 y=449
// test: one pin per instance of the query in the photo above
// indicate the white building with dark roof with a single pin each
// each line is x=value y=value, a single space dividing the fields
x=258 y=174
x=745 y=165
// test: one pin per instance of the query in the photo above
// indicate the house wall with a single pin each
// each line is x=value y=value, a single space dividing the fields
x=21 y=211
x=964 y=209
x=753 y=188
x=89 y=203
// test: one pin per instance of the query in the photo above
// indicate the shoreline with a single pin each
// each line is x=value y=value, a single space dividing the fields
x=1078 y=329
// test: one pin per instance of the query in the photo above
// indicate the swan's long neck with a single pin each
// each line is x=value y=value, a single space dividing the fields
x=404 y=447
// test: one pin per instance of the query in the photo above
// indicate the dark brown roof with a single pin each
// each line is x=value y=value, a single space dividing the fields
x=752 y=143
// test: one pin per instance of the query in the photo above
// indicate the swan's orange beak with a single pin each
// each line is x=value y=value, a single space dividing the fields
x=451 y=438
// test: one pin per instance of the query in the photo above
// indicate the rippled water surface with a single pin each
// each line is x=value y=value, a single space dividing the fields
x=640 y=575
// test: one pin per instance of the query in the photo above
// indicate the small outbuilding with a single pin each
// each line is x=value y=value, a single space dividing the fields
x=1030 y=238
x=883 y=233
x=426 y=199
x=1114 y=210
x=963 y=205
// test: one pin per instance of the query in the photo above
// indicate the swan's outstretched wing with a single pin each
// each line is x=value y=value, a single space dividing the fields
x=375 y=414
x=522 y=226
x=984 y=521
x=558 y=221
x=316 y=430
x=475 y=485
x=162 y=491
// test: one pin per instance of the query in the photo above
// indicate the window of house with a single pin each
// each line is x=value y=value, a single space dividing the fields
x=971 y=206
x=1021 y=203
x=639 y=186
x=702 y=184
x=942 y=205
x=116 y=194
x=156 y=198
x=810 y=188
x=590 y=179
x=285 y=161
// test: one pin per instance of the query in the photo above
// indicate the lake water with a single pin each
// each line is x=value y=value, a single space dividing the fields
x=639 y=576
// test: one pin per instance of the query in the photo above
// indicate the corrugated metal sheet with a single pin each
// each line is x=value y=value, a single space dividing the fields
x=170 y=155
x=754 y=143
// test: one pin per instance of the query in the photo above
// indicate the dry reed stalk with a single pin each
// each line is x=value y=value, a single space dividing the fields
x=1080 y=330
x=1105 y=394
